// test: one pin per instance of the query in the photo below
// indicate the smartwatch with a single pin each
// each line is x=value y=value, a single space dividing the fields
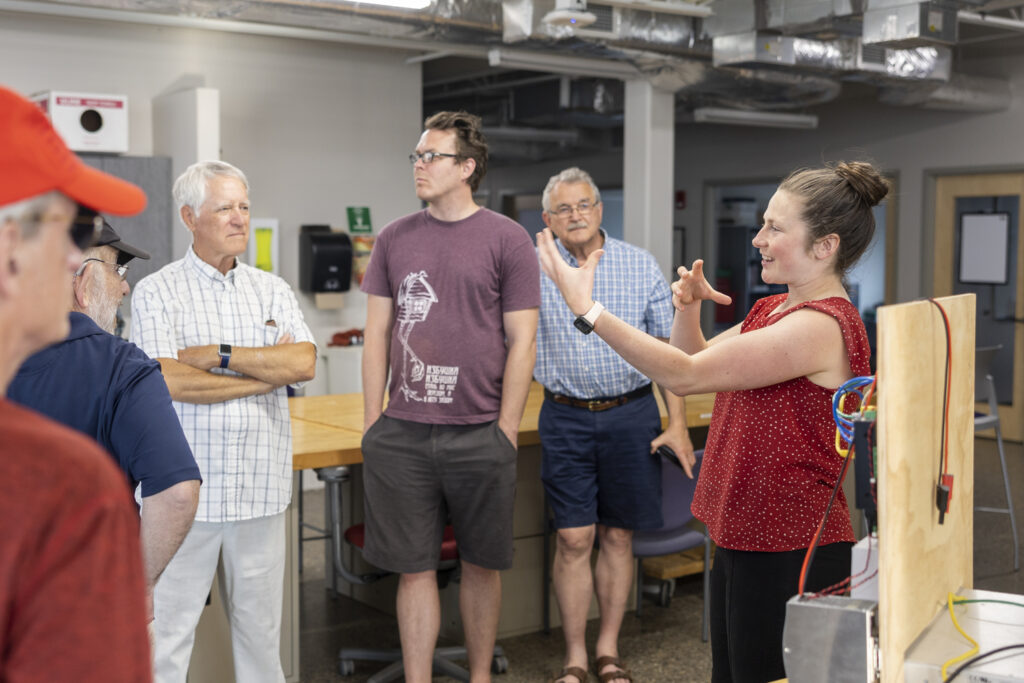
x=225 y=354
x=585 y=323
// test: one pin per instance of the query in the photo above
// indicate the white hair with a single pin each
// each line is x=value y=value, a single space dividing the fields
x=28 y=211
x=191 y=186
x=569 y=175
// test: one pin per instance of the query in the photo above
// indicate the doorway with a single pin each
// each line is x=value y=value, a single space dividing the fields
x=978 y=249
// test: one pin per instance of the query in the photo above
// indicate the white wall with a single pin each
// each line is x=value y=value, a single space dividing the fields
x=315 y=126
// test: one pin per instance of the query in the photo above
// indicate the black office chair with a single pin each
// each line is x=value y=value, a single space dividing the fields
x=985 y=392
x=333 y=477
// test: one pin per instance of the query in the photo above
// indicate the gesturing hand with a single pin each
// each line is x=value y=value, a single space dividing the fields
x=575 y=284
x=693 y=286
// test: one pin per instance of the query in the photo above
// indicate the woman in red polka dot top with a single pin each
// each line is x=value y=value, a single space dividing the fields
x=770 y=462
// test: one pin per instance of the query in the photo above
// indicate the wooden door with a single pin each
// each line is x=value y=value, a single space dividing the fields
x=1000 y=307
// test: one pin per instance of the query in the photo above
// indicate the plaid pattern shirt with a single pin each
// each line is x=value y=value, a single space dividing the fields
x=243 y=446
x=630 y=285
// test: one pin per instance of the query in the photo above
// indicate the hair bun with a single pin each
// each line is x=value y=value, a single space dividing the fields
x=864 y=180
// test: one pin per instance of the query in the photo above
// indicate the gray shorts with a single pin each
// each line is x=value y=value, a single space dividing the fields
x=418 y=476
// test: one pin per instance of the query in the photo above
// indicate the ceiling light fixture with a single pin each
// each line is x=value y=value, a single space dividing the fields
x=744 y=117
x=560 y=64
x=572 y=13
x=403 y=4
x=687 y=9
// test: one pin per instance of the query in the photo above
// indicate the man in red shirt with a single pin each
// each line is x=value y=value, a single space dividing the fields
x=71 y=581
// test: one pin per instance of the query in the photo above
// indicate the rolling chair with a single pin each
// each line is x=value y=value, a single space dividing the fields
x=985 y=391
x=333 y=478
x=675 y=534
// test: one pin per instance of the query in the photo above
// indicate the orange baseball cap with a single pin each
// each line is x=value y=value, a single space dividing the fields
x=34 y=160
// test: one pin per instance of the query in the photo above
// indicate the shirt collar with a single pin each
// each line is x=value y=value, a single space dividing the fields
x=206 y=270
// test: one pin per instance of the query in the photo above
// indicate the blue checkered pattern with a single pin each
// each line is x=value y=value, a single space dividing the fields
x=244 y=446
x=629 y=284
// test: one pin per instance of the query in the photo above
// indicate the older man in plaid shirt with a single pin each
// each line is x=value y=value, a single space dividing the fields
x=599 y=424
x=229 y=338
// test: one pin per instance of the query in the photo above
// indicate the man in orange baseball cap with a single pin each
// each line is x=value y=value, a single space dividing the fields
x=70 y=562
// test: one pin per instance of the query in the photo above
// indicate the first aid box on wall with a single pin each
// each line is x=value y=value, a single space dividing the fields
x=88 y=122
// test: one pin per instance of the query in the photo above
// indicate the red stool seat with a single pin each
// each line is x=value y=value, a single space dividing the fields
x=356 y=535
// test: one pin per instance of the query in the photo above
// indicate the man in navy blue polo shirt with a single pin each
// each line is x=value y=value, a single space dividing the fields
x=109 y=389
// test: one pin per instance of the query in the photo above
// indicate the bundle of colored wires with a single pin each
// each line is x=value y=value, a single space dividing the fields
x=844 y=421
x=844 y=425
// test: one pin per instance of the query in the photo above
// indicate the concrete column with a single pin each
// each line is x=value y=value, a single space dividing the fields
x=648 y=166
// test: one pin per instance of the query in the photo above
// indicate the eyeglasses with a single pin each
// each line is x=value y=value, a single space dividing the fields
x=122 y=270
x=86 y=228
x=584 y=207
x=429 y=157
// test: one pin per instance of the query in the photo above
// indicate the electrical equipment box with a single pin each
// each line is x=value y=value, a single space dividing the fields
x=87 y=122
x=325 y=259
x=830 y=638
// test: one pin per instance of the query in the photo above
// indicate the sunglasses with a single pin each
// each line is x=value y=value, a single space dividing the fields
x=86 y=228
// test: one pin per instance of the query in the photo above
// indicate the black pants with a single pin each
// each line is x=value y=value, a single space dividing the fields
x=749 y=591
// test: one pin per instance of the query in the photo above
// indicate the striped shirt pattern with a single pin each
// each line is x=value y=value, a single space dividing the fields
x=243 y=446
x=630 y=285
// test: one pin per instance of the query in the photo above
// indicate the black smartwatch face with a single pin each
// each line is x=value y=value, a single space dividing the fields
x=583 y=325
x=225 y=350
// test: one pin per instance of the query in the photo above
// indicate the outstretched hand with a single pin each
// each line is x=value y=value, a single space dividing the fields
x=575 y=284
x=693 y=286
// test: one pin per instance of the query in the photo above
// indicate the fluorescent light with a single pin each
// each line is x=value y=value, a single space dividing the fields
x=688 y=9
x=404 y=4
x=560 y=64
x=743 y=117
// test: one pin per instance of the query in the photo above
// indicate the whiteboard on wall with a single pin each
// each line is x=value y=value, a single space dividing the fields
x=984 y=248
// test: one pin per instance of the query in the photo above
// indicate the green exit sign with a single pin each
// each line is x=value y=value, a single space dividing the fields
x=359 y=219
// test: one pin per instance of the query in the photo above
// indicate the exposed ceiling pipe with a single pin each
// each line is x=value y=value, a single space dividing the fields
x=990 y=20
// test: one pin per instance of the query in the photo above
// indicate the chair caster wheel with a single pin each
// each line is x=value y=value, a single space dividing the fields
x=665 y=594
x=346 y=667
x=499 y=664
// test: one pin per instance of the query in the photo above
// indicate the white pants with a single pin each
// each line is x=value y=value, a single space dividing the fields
x=253 y=589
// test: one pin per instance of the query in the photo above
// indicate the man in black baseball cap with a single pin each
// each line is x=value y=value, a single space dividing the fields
x=103 y=386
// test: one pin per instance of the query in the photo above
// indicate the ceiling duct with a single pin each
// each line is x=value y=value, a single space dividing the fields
x=751 y=49
x=961 y=93
x=902 y=24
x=820 y=19
x=524 y=20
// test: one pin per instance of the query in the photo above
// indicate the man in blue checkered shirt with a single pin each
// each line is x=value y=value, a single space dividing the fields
x=599 y=424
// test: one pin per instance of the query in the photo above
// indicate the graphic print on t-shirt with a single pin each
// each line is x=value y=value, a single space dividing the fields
x=415 y=297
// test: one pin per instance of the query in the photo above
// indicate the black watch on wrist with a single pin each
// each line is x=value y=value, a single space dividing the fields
x=585 y=323
x=225 y=354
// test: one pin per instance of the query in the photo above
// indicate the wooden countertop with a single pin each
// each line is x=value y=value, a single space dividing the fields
x=327 y=430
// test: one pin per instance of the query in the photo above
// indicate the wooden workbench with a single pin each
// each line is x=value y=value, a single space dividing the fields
x=327 y=430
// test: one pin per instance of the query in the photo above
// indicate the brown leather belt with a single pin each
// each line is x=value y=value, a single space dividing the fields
x=596 y=405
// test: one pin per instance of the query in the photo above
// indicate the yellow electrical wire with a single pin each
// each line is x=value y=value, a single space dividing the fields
x=974 y=649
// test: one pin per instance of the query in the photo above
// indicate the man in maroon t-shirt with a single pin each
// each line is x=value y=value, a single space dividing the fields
x=71 y=583
x=454 y=291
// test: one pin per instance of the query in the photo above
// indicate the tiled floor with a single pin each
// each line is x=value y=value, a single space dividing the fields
x=663 y=646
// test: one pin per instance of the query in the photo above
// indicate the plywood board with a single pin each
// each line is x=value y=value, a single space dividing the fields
x=919 y=559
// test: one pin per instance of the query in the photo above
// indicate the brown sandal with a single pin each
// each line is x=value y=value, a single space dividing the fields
x=621 y=672
x=574 y=671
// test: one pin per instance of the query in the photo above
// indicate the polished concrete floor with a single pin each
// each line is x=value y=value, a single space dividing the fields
x=663 y=645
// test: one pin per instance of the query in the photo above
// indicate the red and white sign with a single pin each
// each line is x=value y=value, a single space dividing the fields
x=88 y=122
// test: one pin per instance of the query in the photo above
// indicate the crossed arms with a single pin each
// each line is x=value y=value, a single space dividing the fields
x=263 y=369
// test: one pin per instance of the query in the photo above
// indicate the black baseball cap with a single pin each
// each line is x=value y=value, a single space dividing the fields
x=109 y=238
